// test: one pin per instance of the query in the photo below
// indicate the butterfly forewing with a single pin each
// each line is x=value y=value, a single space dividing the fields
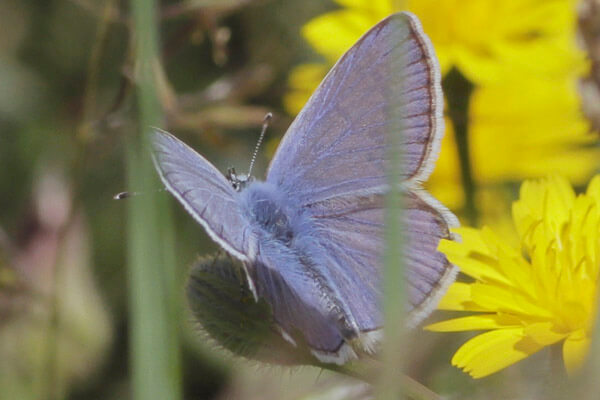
x=337 y=144
x=204 y=192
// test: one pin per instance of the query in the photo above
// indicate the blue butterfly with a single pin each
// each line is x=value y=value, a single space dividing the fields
x=311 y=235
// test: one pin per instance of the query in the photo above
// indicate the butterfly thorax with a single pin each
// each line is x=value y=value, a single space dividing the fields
x=271 y=212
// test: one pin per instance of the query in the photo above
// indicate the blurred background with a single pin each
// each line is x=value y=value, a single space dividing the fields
x=69 y=112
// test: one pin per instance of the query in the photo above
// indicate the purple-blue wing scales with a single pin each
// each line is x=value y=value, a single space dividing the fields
x=333 y=162
x=351 y=232
x=337 y=144
x=204 y=192
x=300 y=306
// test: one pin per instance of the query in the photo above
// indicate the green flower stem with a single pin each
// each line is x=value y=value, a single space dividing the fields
x=458 y=90
x=153 y=306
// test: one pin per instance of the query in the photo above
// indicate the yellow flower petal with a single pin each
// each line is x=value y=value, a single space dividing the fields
x=506 y=300
x=492 y=351
x=488 y=39
x=594 y=189
x=334 y=33
x=303 y=80
x=542 y=210
x=520 y=120
x=458 y=298
x=544 y=333
x=575 y=350
x=476 y=323
x=476 y=265
x=474 y=255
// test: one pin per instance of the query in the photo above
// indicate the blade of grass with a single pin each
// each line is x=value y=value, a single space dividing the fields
x=153 y=308
x=390 y=385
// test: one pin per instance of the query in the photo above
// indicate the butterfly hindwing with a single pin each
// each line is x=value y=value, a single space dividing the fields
x=352 y=234
x=324 y=279
x=297 y=300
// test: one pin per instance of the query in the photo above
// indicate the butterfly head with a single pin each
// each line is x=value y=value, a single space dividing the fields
x=238 y=182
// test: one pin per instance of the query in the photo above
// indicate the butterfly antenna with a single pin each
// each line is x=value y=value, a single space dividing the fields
x=266 y=121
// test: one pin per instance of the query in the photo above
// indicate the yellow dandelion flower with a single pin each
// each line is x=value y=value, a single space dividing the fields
x=529 y=128
x=528 y=298
x=302 y=83
x=518 y=129
x=484 y=39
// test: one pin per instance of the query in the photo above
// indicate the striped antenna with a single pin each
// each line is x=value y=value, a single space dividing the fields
x=266 y=121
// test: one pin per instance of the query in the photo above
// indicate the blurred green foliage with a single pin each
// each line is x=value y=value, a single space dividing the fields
x=68 y=105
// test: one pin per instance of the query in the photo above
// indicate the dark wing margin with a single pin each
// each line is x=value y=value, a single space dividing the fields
x=337 y=143
x=429 y=272
x=204 y=193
